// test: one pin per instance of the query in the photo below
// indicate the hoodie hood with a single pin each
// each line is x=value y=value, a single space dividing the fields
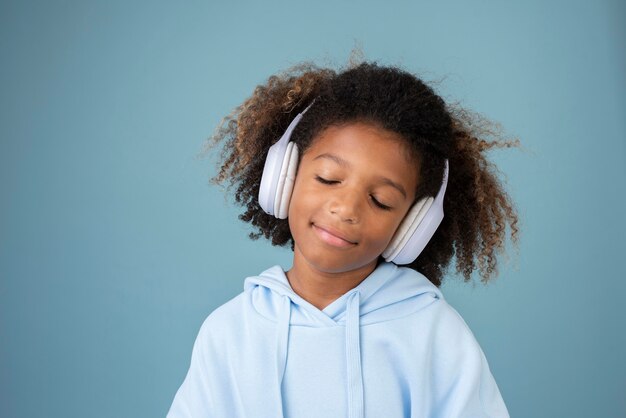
x=388 y=292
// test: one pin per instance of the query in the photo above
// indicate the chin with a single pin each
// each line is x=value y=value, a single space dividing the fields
x=335 y=263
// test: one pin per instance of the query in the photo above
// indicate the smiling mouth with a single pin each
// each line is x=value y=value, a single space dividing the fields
x=332 y=239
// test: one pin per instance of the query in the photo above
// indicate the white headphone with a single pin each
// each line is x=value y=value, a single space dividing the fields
x=279 y=174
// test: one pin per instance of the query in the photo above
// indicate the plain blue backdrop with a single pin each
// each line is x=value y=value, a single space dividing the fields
x=114 y=247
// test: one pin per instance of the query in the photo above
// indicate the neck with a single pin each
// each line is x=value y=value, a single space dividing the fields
x=321 y=288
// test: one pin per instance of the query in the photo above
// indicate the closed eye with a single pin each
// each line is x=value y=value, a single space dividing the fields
x=376 y=202
x=380 y=205
x=324 y=181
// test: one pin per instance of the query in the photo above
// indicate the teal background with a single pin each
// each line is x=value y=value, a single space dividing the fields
x=114 y=248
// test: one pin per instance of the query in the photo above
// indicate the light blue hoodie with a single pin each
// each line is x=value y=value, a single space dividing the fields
x=390 y=347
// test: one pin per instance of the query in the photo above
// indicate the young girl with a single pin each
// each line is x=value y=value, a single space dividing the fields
x=355 y=171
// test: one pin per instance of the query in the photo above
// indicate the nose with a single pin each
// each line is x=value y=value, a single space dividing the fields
x=346 y=204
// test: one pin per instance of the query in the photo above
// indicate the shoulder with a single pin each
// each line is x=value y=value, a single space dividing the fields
x=455 y=350
x=460 y=367
x=223 y=318
x=451 y=333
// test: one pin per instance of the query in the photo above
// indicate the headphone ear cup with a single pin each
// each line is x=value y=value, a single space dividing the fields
x=407 y=228
x=286 y=181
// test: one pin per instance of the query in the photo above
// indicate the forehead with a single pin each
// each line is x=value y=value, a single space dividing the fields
x=363 y=139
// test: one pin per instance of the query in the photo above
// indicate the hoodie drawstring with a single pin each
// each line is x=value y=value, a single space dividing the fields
x=353 y=352
x=353 y=357
x=283 y=340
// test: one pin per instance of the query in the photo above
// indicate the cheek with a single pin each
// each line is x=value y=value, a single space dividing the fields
x=300 y=205
x=304 y=195
x=383 y=232
x=386 y=229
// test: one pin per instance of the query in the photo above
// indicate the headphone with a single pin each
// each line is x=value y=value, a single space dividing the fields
x=409 y=240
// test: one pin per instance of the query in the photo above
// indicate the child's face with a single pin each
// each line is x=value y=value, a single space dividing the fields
x=368 y=167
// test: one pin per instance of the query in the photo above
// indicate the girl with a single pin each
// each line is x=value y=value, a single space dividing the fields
x=369 y=160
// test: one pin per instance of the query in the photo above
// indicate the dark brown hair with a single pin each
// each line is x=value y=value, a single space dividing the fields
x=477 y=208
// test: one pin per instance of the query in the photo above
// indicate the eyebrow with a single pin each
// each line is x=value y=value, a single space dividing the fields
x=346 y=164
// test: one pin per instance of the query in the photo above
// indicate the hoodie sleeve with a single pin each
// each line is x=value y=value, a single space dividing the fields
x=465 y=385
x=193 y=397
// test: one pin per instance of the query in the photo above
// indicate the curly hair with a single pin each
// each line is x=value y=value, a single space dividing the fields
x=477 y=208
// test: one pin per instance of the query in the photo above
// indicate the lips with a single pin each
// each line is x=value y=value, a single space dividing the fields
x=332 y=236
